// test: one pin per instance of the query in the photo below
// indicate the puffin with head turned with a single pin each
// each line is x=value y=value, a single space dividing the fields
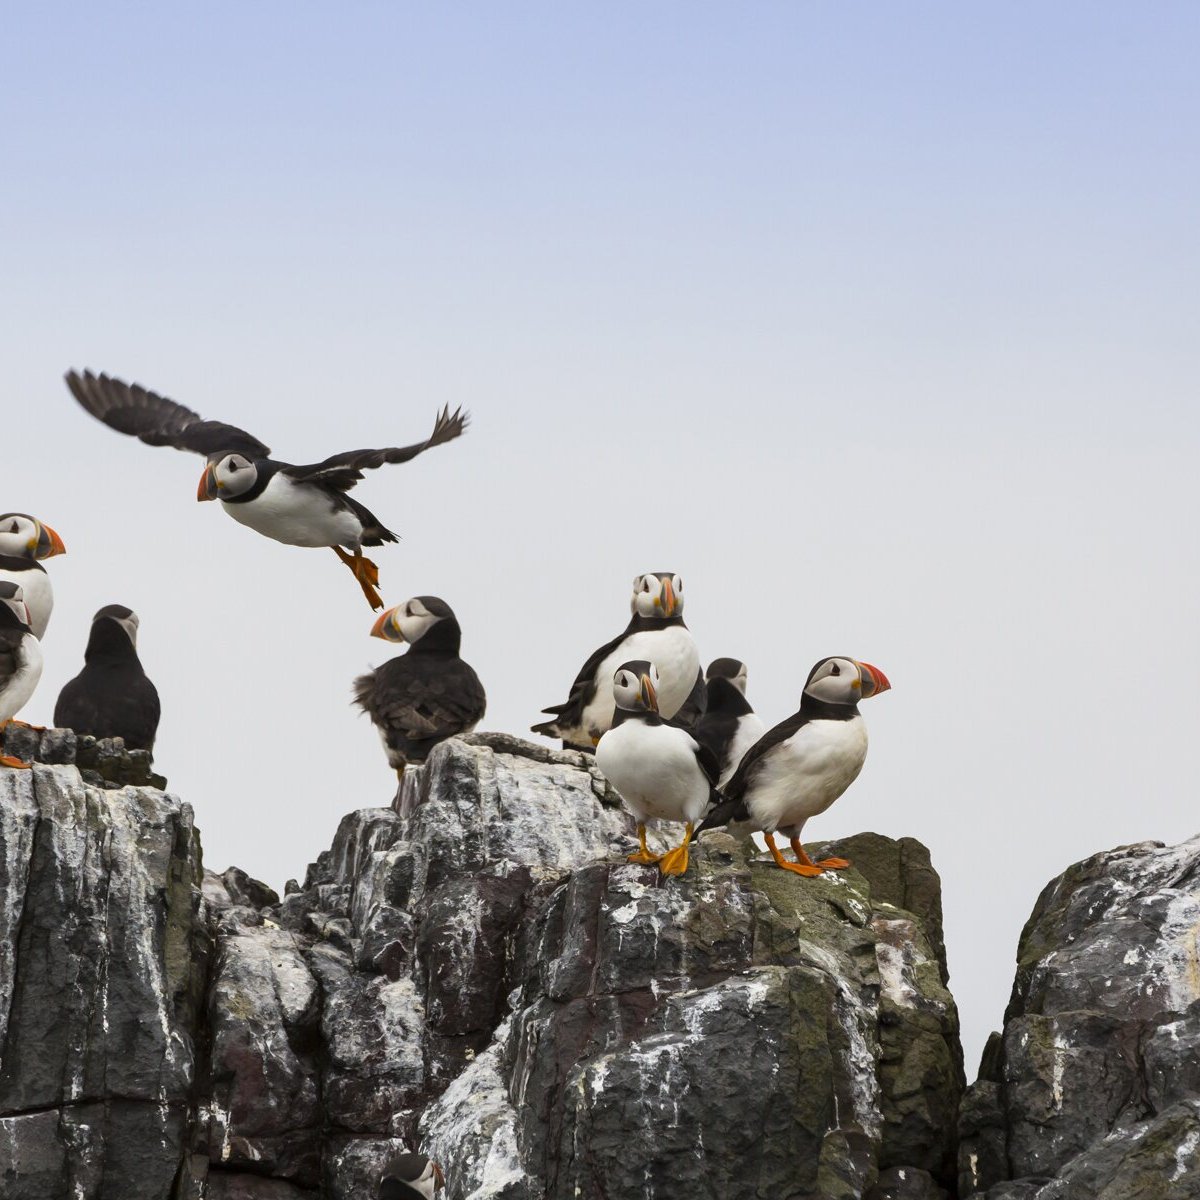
x=411 y=1177
x=729 y=726
x=20 y=661
x=421 y=698
x=661 y=771
x=801 y=766
x=24 y=542
x=298 y=505
x=111 y=696
x=655 y=633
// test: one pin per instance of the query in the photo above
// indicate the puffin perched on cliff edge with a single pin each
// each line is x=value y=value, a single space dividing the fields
x=655 y=633
x=298 y=505
x=24 y=541
x=20 y=660
x=421 y=698
x=729 y=726
x=410 y=1177
x=660 y=769
x=801 y=766
x=111 y=696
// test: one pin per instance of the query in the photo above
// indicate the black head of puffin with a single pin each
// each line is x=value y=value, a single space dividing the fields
x=23 y=536
x=126 y=618
x=412 y=620
x=635 y=686
x=410 y=1175
x=732 y=669
x=227 y=477
x=13 y=612
x=657 y=594
x=840 y=679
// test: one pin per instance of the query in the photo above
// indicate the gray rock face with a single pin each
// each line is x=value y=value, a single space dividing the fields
x=1093 y=1088
x=478 y=972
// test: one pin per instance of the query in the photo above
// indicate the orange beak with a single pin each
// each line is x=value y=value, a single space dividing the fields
x=648 y=694
x=667 y=599
x=874 y=680
x=437 y=1174
x=208 y=484
x=49 y=543
x=383 y=628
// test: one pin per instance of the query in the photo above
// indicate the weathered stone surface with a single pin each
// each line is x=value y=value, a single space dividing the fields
x=1093 y=1087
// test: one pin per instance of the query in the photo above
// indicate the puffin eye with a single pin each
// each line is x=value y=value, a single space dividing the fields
x=645 y=585
x=835 y=669
x=13 y=527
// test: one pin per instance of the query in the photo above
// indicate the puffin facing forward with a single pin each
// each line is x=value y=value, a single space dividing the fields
x=799 y=768
x=297 y=505
x=656 y=633
x=111 y=696
x=20 y=661
x=410 y=1177
x=427 y=695
x=24 y=540
x=729 y=726
x=660 y=770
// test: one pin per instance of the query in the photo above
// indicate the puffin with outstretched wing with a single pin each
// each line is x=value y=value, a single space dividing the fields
x=299 y=505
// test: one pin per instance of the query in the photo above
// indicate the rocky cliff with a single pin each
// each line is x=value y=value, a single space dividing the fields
x=476 y=971
x=1093 y=1088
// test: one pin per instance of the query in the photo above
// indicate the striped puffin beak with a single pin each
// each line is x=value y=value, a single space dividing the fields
x=208 y=484
x=48 y=543
x=648 y=694
x=437 y=1174
x=385 y=628
x=873 y=679
x=666 y=599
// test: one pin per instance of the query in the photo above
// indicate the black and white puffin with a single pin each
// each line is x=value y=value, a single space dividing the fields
x=656 y=633
x=729 y=726
x=111 y=696
x=297 y=505
x=410 y=1177
x=421 y=698
x=20 y=660
x=801 y=766
x=24 y=540
x=662 y=772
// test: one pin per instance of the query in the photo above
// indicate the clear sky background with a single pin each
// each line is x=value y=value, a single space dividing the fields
x=878 y=324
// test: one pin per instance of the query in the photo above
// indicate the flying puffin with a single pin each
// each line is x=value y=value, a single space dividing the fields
x=23 y=541
x=421 y=698
x=656 y=632
x=729 y=726
x=111 y=696
x=20 y=660
x=800 y=767
x=297 y=505
x=660 y=770
x=410 y=1177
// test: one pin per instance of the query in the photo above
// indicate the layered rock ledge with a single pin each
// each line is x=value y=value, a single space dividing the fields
x=476 y=971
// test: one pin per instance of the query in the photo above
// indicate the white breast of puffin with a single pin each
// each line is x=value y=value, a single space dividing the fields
x=803 y=776
x=749 y=730
x=654 y=768
x=672 y=650
x=297 y=514
x=21 y=685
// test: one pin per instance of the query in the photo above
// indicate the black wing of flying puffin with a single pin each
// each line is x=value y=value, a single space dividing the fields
x=157 y=421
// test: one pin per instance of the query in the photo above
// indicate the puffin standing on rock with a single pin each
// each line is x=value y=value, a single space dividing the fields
x=427 y=695
x=111 y=696
x=24 y=541
x=799 y=768
x=297 y=505
x=656 y=633
x=410 y=1177
x=729 y=726
x=660 y=770
x=20 y=661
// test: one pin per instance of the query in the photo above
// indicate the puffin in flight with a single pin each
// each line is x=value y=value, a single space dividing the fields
x=421 y=698
x=298 y=505
x=799 y=768
x=24 y=540
x=729 y=726
x=656 y=633
x=111 y=696
x=410 y=1177
x=659 y=768
x=20 y=660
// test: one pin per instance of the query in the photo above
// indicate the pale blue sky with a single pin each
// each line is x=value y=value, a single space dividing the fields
x=878 y=324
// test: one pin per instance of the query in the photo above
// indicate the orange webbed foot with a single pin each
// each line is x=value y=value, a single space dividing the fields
x=643 y=854
x=7 y=760
x=833 y=864
x=675 y=862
